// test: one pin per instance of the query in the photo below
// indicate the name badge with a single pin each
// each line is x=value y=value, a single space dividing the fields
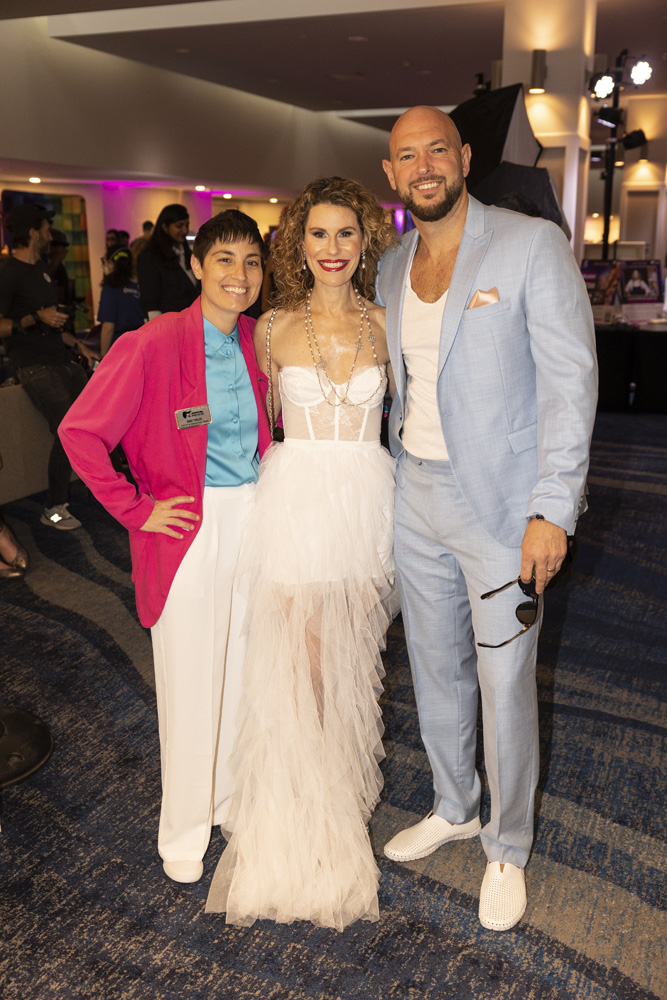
x=194 y=416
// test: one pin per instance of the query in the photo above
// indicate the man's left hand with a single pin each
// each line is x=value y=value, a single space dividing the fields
x=543 y=549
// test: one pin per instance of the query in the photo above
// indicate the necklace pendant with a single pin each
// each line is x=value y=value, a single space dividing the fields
x=371 y=338
x=358 y=345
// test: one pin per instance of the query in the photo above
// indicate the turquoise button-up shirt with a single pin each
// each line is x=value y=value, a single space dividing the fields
x=231 y=453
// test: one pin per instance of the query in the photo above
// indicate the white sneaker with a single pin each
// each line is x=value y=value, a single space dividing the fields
x=427 y=836
x=59 y=517
x=502 y=899
x=183 y=871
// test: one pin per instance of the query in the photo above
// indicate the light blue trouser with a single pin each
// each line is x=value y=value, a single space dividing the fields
x=445 y=560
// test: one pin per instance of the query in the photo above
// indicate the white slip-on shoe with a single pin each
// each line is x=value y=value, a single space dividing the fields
x=502 y=899
x=427 y=836
x=183 y=871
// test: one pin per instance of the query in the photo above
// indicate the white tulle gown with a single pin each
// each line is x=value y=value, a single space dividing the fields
x=317 y=570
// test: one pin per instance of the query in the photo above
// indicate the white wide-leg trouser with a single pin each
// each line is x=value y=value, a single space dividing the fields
x=198 y=651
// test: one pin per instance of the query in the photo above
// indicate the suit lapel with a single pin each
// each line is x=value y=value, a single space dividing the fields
x=474 y=244
x=394 y=302
x=193 y=381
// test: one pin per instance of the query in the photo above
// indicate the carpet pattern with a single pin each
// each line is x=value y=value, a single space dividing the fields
x=85 y=910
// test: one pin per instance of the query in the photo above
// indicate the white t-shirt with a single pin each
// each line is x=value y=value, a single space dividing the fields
x=421 y=324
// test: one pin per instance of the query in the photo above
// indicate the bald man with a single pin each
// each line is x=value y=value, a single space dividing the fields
x=491 y=340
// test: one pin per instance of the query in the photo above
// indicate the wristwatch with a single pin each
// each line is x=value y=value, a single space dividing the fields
x=536 y=517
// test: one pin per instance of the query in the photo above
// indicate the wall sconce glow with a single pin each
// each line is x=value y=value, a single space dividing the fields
x=643 y=153
x=35 y=180
x=538 y=71
x=640 y=72
x=227 y=195
x=596 y=215
x=199 y=187
x=602 y=86
x=274 y=201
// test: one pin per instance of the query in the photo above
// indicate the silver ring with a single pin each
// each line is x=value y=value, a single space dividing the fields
x=551 y=570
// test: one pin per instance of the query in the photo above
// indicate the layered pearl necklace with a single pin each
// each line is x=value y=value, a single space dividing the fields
x=320 y=364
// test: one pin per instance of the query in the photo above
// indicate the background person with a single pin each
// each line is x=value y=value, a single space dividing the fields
x=39 y=346
x=120 y=309
x=166 y=279
x=195 y=483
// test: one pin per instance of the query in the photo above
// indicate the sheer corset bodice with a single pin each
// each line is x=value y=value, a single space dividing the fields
x=307 y=416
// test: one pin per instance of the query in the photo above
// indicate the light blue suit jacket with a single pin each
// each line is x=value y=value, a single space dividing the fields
x=517 y=382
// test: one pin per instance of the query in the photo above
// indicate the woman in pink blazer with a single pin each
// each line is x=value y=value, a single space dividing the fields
x=185 y=398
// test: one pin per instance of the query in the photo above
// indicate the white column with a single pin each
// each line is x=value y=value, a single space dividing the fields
x=560 y=117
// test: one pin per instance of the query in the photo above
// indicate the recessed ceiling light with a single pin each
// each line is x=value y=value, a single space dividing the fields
x=35 y=180
x=227 y=195
x=357 y=38
x=183 y=52
x=424 y=72
x=274 y=201
x=199 y=187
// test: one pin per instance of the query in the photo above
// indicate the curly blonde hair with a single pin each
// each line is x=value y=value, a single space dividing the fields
x=292 y=282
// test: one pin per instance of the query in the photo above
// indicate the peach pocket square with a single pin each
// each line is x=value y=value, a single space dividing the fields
x=481 y=298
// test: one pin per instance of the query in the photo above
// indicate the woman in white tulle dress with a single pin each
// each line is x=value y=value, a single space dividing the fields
x=317 y=571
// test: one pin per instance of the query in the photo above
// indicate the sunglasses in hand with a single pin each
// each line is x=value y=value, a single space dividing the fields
x=526 y=611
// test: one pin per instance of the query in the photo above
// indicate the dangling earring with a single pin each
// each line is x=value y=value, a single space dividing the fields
x=304 y=266
x=363 y=260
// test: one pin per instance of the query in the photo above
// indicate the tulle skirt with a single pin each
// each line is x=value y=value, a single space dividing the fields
x=316 y=567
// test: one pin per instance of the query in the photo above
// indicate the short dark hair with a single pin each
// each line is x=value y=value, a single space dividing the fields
x=226 y=227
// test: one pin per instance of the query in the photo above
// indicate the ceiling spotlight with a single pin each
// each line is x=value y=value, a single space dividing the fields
x=640 y=72
x=602 y=86
x=274 y=201
x=199 y=187
x=610 y=116
x=635 y=139
x=227 y=195
x=35 y=180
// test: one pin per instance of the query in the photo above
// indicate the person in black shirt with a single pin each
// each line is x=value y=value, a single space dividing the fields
x=38 y=345
x=166 y=281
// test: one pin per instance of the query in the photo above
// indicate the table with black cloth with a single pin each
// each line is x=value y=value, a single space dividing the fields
x=632 y=355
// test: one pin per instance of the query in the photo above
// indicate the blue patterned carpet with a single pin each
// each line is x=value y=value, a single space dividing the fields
x=85 y=910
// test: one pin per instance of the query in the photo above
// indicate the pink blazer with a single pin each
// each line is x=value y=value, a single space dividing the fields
x=132 y=397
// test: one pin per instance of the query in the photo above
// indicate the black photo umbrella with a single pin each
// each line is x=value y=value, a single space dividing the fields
x=523 y=189
x=497 y=128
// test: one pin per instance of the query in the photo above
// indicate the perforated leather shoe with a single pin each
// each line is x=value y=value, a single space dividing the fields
x=502 y=899
x=427 y=836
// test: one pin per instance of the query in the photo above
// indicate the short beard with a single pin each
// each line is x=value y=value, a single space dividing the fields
x=438 y=210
